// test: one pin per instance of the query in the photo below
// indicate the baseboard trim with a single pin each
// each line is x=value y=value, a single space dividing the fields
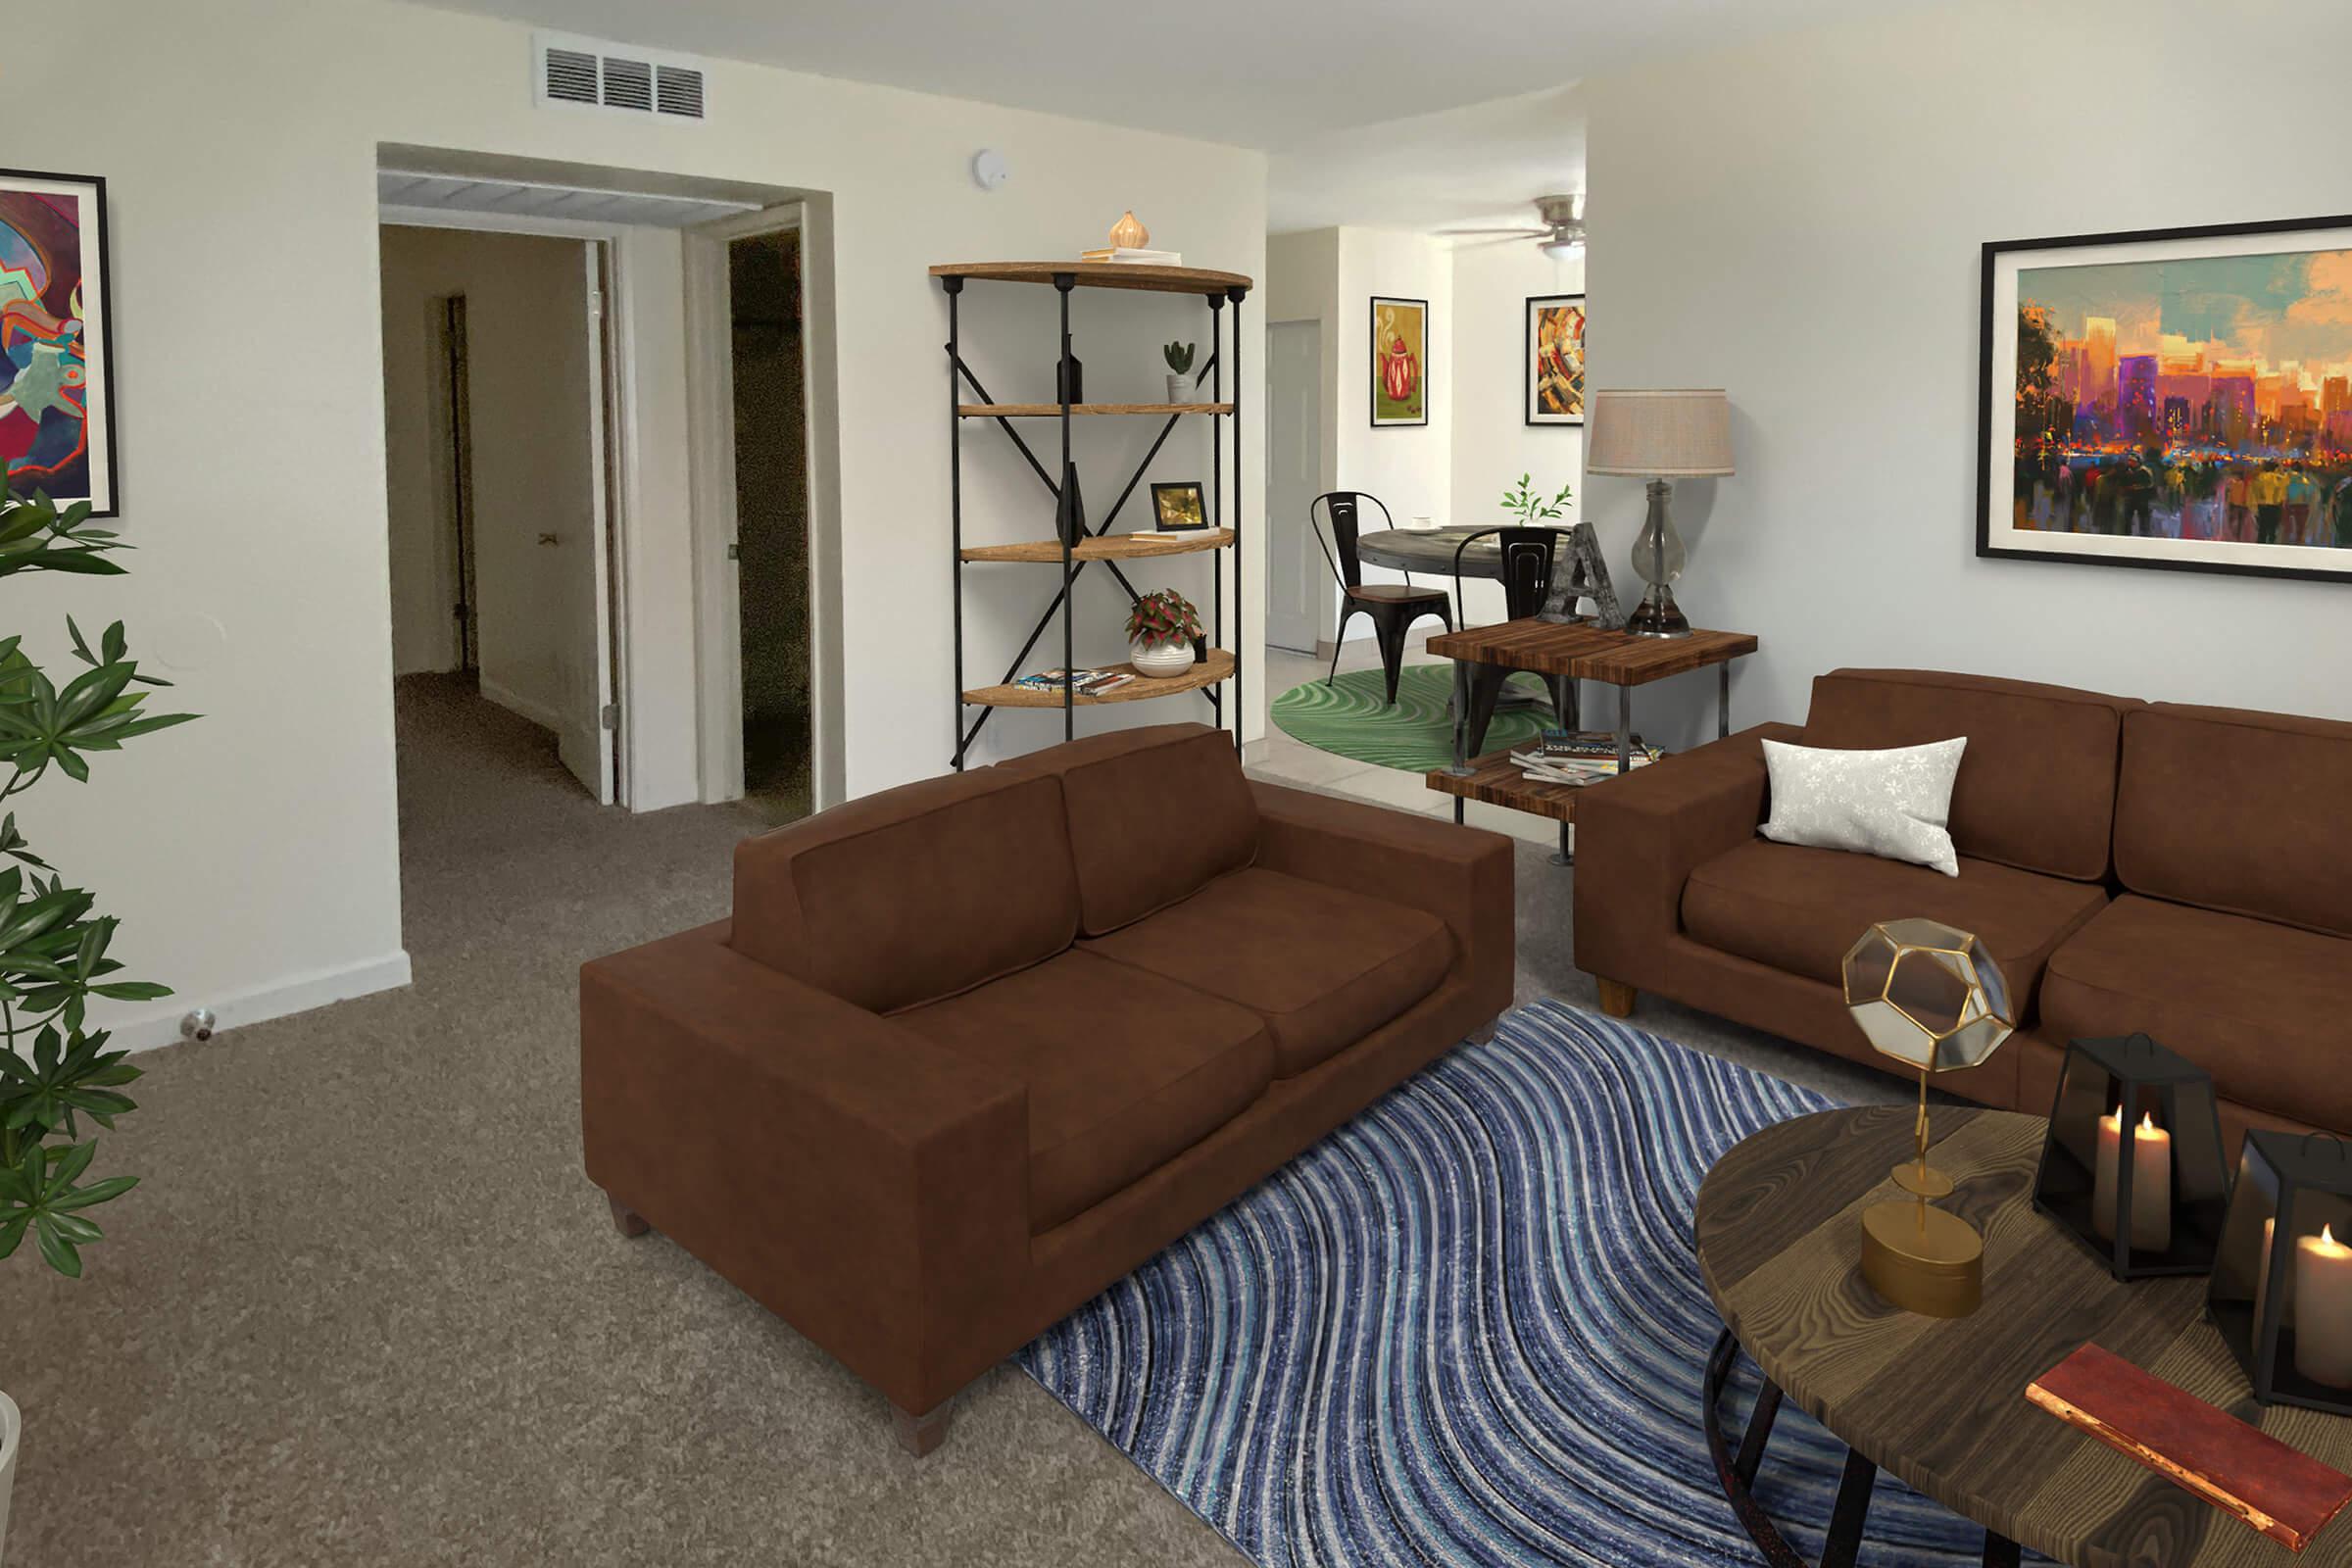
x=513 y=702
x=159 y=1025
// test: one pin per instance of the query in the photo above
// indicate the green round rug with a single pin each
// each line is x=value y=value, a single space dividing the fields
x=1350 y=717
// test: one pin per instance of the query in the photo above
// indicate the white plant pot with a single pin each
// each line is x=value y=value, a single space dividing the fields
x=1162 y=661
x=12 y=1426
x=1180 y=389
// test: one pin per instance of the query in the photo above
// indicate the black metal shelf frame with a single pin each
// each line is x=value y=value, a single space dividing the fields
x=959 y=376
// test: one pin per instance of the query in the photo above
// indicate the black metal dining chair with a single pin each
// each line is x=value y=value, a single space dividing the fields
x=1392 y=607
x=1528 y=558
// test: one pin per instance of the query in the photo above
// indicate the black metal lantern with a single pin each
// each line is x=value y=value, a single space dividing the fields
x=2282 y=1291
x=2133 y=1165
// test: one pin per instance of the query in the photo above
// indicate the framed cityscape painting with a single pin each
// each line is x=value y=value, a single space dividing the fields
x=57 y=429
x=1400 y=361
x=1555 y=359
x=2176 y=398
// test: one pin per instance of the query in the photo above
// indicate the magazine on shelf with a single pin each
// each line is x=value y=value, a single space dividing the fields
x=1089 y=682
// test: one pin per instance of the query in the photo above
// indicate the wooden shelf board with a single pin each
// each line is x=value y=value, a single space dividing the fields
x=1081 y=410
x=1497 y=780
x=1110 y=547
x=1100 y=275
x=1218 y=668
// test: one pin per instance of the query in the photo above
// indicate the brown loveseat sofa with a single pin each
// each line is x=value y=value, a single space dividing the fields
x=973 y=1049
x=2186 y=872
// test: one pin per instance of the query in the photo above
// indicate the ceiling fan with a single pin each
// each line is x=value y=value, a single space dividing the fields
x=1561 y=236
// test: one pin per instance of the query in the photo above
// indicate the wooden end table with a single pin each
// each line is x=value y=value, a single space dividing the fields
x=1484 y=657
x=1941 y=1401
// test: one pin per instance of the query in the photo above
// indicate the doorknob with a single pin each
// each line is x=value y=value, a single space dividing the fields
x=547 y=539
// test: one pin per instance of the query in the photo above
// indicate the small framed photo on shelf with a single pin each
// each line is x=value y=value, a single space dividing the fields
x=1179 y=508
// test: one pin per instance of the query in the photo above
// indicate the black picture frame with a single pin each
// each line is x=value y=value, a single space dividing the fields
x=1991 y=425
x=1527 y=365
x=106 y=501
x=1372 y=368
x=1163 y=494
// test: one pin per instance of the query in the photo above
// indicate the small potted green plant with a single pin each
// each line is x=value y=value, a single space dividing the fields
x=1180 y=366
x=1528 y=508
x=1161 y=630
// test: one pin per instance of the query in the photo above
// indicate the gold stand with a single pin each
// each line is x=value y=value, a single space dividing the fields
x=1923 y=1259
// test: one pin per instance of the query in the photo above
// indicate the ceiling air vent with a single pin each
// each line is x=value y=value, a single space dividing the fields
x=591 y=73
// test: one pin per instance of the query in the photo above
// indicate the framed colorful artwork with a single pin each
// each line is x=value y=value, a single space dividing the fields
x=2176 y=398
x=1400 y=361
x=1179 y=508
x=1555 y=359
x=57 y=427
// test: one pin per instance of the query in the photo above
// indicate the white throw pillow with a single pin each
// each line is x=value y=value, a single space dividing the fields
x=1897 y=804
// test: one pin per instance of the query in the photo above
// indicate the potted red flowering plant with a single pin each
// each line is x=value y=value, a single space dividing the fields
x=1161 y=629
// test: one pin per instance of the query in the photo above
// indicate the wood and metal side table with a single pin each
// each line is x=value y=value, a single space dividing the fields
x=1484 y=657
x=1940 y=1402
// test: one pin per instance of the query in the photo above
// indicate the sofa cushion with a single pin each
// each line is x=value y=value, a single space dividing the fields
x=1322 y=967
x=2260 y=1007
x=1800 y=910
x=2036 y=789
x=916 y=893
x=2240 y=811
x=1155 y=814
x=1125 y=1070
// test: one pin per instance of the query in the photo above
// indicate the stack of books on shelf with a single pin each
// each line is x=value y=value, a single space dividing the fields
x=1130 y=252
x=1577 y=756
x=1090 y=682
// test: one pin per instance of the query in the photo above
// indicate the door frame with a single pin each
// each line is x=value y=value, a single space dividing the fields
x=1310 y=555
x=717 y=586
x=613 y=425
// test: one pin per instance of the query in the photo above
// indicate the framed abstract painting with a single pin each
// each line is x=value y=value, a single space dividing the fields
x=2171 y=398
x=1555 y=359
x=1400 y=361
x=57 y=427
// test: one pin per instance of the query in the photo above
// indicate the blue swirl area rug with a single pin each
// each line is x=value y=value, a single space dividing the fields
x=1468 y=1328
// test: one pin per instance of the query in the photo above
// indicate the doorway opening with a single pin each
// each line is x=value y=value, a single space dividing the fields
x=768 y=393
x=499 y=479
x=1298 y=591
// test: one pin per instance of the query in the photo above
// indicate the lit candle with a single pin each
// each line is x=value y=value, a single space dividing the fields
x=2323 y=1309
x=2151 y=1181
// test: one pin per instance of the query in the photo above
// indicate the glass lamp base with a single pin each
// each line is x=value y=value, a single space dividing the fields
x=1657 y=615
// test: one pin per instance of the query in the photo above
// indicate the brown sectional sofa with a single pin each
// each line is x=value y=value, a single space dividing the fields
x=971 y=1050
x=2186 y=872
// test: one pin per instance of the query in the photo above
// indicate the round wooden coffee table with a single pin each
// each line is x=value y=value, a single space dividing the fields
x=1941 y=1402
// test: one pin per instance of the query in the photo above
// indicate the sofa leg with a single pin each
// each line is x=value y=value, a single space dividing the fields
x=1616 y=998
x=626 y=1219
x=918 y=1434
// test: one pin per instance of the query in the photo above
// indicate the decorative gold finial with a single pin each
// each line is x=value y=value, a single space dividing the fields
x=1129 y=234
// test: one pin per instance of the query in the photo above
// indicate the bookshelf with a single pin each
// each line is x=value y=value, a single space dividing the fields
x=968 y=399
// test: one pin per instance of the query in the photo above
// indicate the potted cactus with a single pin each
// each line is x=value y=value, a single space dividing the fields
x=1161 y=630
x=1180 y=364
x=56 y=1074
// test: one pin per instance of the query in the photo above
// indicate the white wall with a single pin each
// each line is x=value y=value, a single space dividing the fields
x=1808 y=238
x=526 y=326
x=1330 y=275
x=239 y=139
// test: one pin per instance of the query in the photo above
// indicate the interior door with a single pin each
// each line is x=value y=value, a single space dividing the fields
x=587 y=739
x=1296 y=613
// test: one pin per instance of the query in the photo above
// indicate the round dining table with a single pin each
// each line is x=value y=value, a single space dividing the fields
x=1432 y=550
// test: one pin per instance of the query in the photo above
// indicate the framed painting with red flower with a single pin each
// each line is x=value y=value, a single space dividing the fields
x=1400 y=361
x=1555 y=359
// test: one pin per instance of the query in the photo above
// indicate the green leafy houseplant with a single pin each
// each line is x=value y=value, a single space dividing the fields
x=53 y=949
x=1163 y=618
x=1179 y=357
x=1531 y=508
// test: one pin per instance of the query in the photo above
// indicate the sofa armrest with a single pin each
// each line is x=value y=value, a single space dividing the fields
x=1462 y=875
x=1638 y=839
x=857 y=1180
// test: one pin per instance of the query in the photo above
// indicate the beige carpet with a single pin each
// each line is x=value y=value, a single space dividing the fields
x=366 y=1309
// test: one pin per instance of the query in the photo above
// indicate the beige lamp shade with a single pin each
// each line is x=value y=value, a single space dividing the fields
x=1659 y=435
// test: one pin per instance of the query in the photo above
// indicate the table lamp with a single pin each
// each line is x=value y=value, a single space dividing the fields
x=1660 y=436
x=1931 y=998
